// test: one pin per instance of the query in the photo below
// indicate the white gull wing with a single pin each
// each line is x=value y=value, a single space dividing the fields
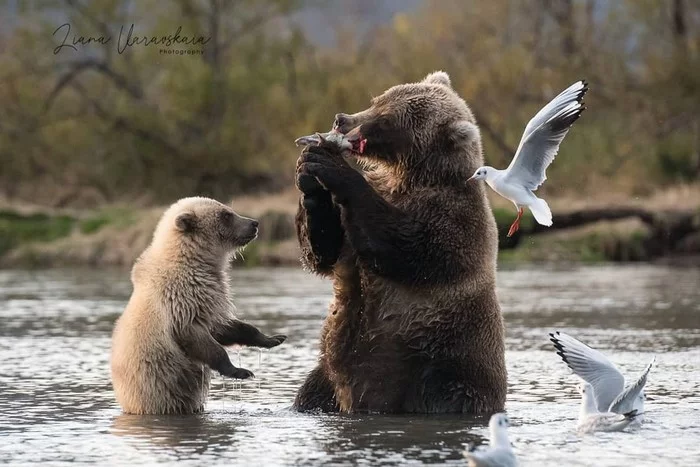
x=591 y=366
x=575 y=92
x=493 y=457
x=543 y=134
x=625 y=402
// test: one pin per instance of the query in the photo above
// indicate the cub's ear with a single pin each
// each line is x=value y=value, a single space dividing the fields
x=186 y=222
x=438 y=77
x=464 y=132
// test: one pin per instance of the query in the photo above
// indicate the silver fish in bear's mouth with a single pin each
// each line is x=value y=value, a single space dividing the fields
x=347 y=143
x=332 y=136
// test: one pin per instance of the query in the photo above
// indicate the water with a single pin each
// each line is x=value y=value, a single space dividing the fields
x=57 y=405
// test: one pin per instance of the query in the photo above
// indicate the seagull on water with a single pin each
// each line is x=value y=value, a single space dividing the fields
x=610 y=393
x=538 y=147
x=499 y=453
x=590 y=419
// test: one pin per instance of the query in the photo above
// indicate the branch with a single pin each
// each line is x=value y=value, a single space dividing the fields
x=493 y=134
x=124 y=124
x=667 y=228
x=78 y=67
x=251 y=24
x=101 y=25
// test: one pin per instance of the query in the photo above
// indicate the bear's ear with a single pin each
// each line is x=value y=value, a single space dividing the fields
x=438 y=77
x=463 y=131
x=186 y=222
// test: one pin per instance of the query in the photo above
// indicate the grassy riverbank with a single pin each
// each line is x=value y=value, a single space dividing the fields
x=116 y=235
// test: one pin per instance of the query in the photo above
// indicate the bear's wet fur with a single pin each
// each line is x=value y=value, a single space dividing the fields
x=180 y=314
x=415 y=325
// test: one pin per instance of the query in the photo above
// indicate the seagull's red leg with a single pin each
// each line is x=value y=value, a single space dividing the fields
x=516 y=223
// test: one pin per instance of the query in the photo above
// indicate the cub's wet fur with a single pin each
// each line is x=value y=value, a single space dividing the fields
x=180 y=314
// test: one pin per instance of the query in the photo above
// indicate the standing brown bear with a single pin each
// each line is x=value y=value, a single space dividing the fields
x=414 y=325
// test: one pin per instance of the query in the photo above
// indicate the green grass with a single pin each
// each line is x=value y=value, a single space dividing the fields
x=591 y=247
x=93 y=224
x=118 y=217
x=17 y=228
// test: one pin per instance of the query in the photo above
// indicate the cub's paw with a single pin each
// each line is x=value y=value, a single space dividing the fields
x=274 y=341
x=241 y=373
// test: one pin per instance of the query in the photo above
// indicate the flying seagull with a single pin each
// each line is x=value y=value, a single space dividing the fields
x=538 y=147
x=499 y=453
x=608 y=384
x=590 y=419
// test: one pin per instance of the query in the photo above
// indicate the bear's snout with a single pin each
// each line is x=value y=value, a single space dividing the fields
x=340 y=122
x=252 y=229
x=244 y=231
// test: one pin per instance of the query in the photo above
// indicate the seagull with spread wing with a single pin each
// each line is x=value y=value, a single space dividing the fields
x=591 y=419
x=607 y=382
x=538 y=147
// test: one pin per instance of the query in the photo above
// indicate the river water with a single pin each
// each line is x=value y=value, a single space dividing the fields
x=57 y=404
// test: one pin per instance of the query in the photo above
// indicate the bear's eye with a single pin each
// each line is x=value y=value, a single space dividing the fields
x=384 y=123
x=226 y=216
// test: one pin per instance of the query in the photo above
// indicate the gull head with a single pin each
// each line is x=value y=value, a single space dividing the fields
x=585 y=389
x=498 y=426
x=483 y=173
x=588 y=404
x=499 y=421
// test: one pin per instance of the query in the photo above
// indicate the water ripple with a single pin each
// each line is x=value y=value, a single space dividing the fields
x=57 y=404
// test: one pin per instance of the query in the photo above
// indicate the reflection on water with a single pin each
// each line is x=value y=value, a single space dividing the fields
x=56 y=401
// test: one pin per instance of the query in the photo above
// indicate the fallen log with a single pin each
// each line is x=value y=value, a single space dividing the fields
x=667 y=229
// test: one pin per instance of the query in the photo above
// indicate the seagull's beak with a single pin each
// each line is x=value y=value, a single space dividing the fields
x=473 y=177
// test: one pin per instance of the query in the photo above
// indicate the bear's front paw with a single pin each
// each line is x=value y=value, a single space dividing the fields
x=274 y=341
x=330 y=152
x=308 y=184
x=341 y=180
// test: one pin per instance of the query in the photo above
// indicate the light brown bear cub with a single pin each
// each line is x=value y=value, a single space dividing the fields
x=180 y=314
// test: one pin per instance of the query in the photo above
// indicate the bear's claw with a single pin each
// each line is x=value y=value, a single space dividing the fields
x=242 y=373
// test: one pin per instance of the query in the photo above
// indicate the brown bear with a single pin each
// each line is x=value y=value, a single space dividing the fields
x=415 y=325
x=180 y=314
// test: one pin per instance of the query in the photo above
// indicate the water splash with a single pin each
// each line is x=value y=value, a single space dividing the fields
x=239 y=383
x=259 y=367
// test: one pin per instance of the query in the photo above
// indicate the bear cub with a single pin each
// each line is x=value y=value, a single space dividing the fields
x=180 y=314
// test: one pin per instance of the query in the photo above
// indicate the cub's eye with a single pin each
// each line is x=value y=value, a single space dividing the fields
x=226 y=216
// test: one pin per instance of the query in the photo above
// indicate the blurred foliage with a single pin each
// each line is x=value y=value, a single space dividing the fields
x=17 y=228
x=600 y=243
x=93 y=126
